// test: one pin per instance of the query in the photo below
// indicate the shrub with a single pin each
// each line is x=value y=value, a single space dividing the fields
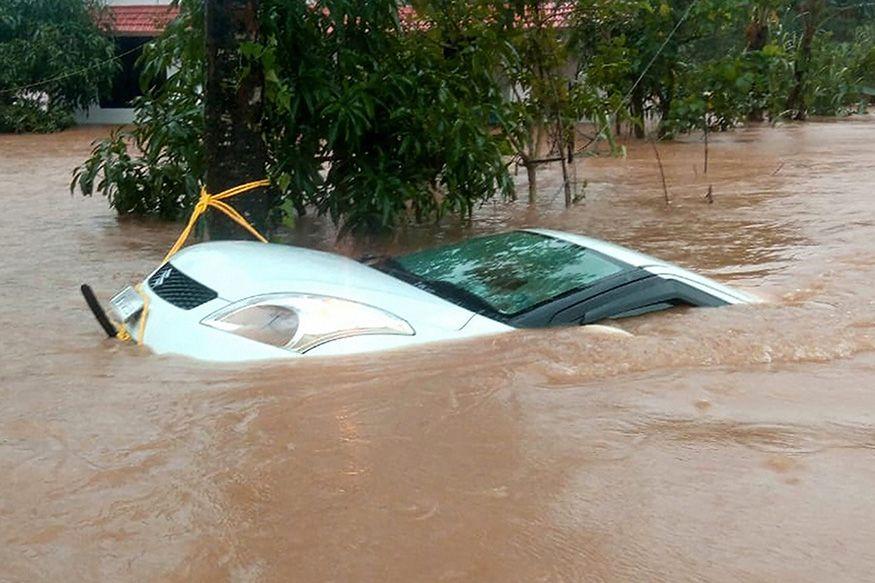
x=53 y=58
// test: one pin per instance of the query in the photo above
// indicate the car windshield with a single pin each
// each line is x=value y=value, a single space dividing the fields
x=510 y=273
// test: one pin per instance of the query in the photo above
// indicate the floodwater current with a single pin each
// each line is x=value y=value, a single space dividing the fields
x=721 y=445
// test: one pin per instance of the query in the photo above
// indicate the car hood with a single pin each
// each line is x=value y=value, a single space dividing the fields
x=242 y=269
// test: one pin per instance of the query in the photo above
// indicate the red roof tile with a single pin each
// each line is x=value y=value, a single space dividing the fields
x=138 y=20
x=150 y=20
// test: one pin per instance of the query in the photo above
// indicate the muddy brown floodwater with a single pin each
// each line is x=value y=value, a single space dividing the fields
x=721 y=445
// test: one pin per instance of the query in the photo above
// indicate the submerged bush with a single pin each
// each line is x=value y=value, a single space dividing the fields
x=53 y=59
x=724 y=92
x=23 y=115
x=728 y=62
x=839 y=72
x=155 y=167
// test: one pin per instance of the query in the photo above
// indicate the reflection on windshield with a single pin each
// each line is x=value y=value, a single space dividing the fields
x=511 y=272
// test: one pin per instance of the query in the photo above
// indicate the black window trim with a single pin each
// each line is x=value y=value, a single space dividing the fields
x=534 y=316
x=658 y=289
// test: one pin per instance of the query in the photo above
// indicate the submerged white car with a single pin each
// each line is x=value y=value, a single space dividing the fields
x=234 y=301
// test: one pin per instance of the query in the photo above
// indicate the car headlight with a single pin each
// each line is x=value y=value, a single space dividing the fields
x=300 y=322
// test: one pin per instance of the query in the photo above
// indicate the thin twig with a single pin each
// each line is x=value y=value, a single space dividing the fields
x=705 y=170
x=661 y=172
x=778 y=169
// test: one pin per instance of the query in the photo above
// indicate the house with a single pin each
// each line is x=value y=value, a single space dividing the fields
x=132 y=24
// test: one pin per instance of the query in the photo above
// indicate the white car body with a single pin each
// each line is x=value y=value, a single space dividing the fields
x=238 y=270
x=654 y=265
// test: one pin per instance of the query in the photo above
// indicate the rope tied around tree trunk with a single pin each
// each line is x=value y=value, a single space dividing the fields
x=216 y=201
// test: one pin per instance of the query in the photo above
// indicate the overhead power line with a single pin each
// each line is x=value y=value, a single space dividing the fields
x=68 y=74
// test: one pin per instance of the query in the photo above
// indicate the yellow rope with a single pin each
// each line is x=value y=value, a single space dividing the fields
x=208 y=200
x=141 y=332
x=123 y=334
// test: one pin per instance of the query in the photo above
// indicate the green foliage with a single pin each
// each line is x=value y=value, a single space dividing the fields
x=162 y=176
x=539 y=77
x=23 y=115
x=727 y=61
x=41 y=43
x=644 y=47
x=375 y=118
x=840 y=71
x=727 y=91
x=365 y=122
x=398 y=118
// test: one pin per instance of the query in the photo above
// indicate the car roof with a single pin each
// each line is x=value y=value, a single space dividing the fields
x=633 y=258
x=656 y=266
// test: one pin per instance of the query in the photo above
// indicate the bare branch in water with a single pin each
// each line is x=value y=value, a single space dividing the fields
x=661 y=172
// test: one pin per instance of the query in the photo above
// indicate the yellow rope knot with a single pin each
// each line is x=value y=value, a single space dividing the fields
x=216 y=201
x=205 y=201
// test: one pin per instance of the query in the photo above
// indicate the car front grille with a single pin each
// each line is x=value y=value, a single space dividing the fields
x=173 y=286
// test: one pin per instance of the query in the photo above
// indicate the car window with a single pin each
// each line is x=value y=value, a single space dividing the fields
x=647 y=294
x=641 y=310
x=511 y=272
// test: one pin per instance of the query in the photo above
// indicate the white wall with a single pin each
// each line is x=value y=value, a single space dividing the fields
x=98 y=115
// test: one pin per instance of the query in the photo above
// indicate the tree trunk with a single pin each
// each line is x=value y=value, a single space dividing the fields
x=810 y=11
x=757 y=34
x=757 y=31
x=564 y=149
x=637 y=104
x=665 y=102
x=235 y=152
x=532 y=173
x=566 y=182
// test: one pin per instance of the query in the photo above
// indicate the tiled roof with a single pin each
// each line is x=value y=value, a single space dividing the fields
x=150 y=20
x=138 y=20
